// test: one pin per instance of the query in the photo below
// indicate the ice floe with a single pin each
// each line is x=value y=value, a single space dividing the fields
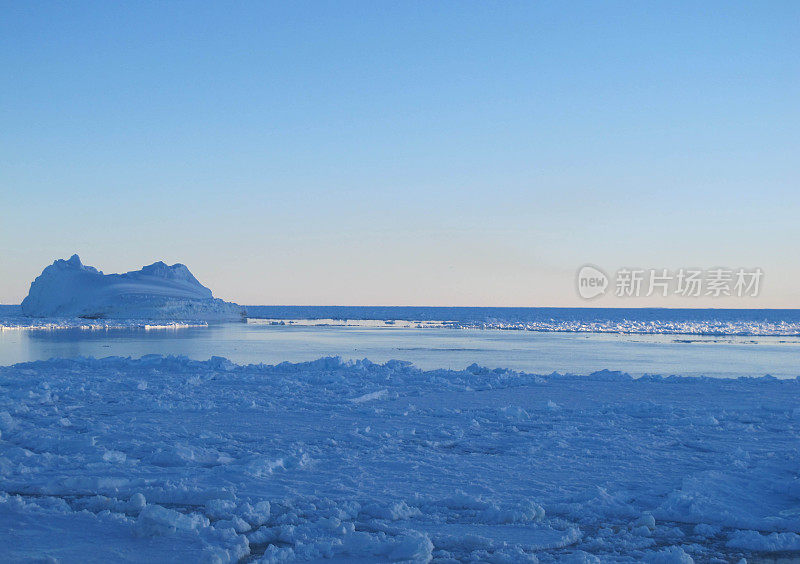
x=160 y=458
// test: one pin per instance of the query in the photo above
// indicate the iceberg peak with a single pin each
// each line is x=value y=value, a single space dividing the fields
x=72 y=263
x=177 y=271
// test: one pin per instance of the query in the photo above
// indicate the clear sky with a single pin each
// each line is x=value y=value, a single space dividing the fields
x=402 y=153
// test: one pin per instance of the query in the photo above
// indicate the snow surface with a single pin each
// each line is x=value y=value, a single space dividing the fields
x=68 y=288
x=626 y=326
x=712 y=322
x=140 y=309
x=167 y=459
x=56 y=323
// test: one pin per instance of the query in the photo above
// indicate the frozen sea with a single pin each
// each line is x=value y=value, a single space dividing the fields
x=528 y=351
x=717 y=343
x=466 y=436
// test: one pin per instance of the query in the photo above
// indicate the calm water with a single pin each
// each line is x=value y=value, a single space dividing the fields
x=427 y=348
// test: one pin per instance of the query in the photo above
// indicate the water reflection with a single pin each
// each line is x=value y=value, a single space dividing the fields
x=80 y=335
x=427 y=348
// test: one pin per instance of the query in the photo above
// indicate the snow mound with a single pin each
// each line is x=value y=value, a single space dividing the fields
x=69 y=288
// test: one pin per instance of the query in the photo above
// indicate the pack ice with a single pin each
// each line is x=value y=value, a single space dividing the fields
x=167 y=459
x=68 y=288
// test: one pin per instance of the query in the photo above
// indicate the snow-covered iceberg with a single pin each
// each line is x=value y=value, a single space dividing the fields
x=158 y=291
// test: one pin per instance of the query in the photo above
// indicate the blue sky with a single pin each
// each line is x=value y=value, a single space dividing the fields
x=402 y=153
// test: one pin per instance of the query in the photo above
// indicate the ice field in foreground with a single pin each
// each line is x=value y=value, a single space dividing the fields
x=166 y=458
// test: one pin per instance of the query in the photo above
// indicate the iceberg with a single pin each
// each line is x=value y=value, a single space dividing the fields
x=68 y=288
